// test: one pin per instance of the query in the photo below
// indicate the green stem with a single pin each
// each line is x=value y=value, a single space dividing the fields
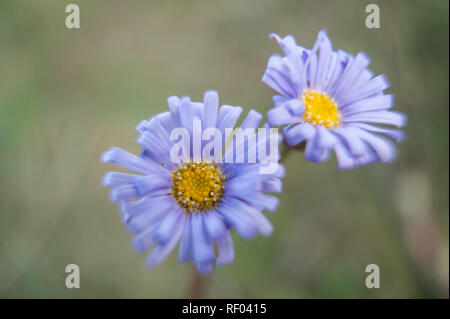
x=198 y=288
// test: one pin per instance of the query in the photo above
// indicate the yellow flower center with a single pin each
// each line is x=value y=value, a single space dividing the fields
x=320 y=109
x=198 y=187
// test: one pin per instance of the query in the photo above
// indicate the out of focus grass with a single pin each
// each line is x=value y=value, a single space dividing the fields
x=68 y=95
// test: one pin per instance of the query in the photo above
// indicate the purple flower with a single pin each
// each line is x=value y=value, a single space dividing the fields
x=195 y=202
x=330 y=100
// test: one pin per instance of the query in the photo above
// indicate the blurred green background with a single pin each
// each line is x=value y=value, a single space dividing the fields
x=66 y=96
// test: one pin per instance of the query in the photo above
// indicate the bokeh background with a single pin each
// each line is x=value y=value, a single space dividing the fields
x=66 y=96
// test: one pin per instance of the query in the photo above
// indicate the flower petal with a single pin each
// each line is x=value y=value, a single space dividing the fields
x=211 y=106
x=380 y=117
x=130 y=161
x=225 y=248
x=203 y=248
x=160 y=252
x=186 y=251
x=281 y=116
x=214 y=224
x=298 y=133
x=165 y=228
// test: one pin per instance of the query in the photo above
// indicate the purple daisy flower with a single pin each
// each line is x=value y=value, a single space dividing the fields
x=195 y=202
x=330 y=100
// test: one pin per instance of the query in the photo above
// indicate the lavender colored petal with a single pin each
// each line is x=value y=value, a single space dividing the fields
x=147 y=204
x=380 y=117
x=252 y=120
x=324 y=139
x=165 y=228
x=145 y=239
x=203 y=248
x=273 y=185
x=281 y=116
x=383 y=147
x=227 y=117
x=211 y=106
x=214 y=224
x=354 y=144
x=149 y=183
x=160 y=252
x=396 y=135
x=373 y=86
x=244 y=226
x=186 y=251
x=142 y=221
x=113 y=179
x=225 y=248
x=123 y=192
x=130 y=161
x=298 y=133
x=374 y=103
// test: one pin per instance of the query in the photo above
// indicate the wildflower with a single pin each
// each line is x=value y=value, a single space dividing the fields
x=197 y=201
x=330 y=100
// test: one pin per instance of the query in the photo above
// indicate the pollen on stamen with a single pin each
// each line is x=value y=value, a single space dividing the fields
x=198 y=186
x=322 y=110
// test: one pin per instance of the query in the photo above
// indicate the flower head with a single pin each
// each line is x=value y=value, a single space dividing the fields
x=330 y=100
x=198 y=199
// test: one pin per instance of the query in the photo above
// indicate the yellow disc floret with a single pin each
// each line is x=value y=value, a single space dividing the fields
x=320 y=109
x=198 y=186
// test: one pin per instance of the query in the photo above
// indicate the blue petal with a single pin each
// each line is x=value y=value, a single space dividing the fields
x=277 y=77
x=273 y=185
x=279 y=99
x=354 y=144
x=396 y=135
x=228 y=115
x=129 y=161
x=211 y=106
x=252 y=120
x=281 y=116
x=226 y=250
x=145 y=239
x=383 y=148
x=351 y=74
x=203 y=248
x=148 y=204
x=186 y=251
x=186 y=113
x=314 y=153
x=214 y=224
x=165 y=228
x=205 y=268
x=325 y=59
x=287 y=44
x=115 y=179
x=233 y=217
x=155 y=147
x=262 y=223
x=375 y=103
x=140 y=223
x=174 y=106
x=295 y=106
x=371 y=87
x=148 y=183
x=160 y=252
x=324 y=138
x=296 y=134
x=380 y=117
x=123 y=192
x=344 y=158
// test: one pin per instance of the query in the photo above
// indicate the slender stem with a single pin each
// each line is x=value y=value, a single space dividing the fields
x=199 y=285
